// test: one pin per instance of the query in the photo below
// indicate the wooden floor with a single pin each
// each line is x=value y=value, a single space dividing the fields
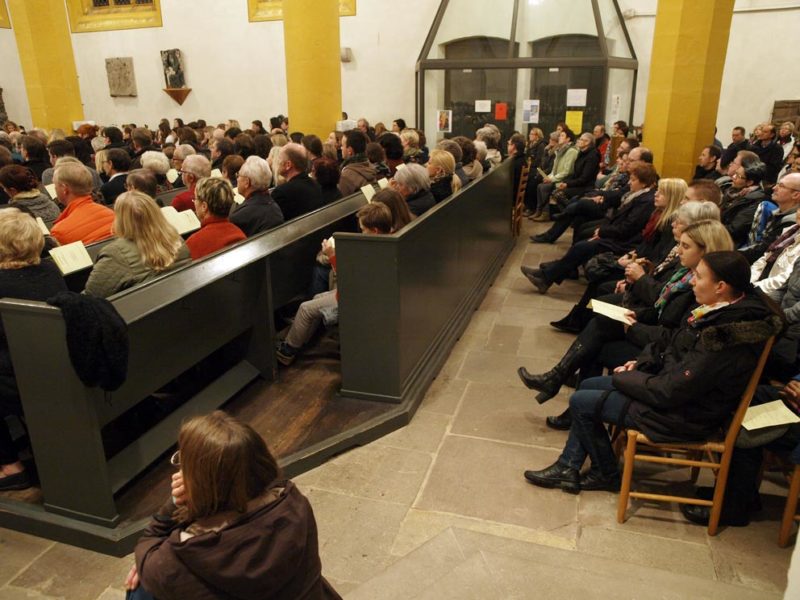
x=297 y=411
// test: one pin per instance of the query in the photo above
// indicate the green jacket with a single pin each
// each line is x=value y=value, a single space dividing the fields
x=119 y=266
x=564 y=163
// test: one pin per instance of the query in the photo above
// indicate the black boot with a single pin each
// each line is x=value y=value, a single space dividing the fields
x=560 y=422
x=572 y=323
x=556 y=475
x=549 y=383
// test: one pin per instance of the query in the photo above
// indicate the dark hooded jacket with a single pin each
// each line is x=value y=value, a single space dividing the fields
x=690 y=381
x=737 y=214
x=270 y=551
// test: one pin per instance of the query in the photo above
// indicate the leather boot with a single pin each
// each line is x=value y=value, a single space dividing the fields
x=560 y=422
x=550 y=383
x=571 y=323
x=556 y=475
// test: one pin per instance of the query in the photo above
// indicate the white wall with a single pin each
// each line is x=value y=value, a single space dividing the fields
x=759 y=58
x=11 y=80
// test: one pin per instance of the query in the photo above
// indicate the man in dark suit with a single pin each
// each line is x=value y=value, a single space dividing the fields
x=116 y=165
x=300 y=194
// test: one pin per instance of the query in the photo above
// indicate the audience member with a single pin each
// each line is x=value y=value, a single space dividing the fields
x=258 y=212
x=356 y=170
x=414 y=185
x=769 y=151
x=146 y=246
x=23 y=275
x=300 y=194
x=441 y=170
x=740 y=201
x=707 y=163
x=34 y=155
x=143 y=180
x=326 y=173
x=116 y=166
x=231 y=166
x=393 y=147
x=401 y=216
x=738 y=143
x=313 y=146
x=82 y=219
x=377 y=159
x=563 y=166
x=213 y=202
x=219 y=150
x=229 y=488
x=194 y=168
x=21 y=186
x=141 y=142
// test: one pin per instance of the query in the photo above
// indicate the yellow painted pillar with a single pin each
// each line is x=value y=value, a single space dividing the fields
x=313 y=72
x=689 y=47
x=48 y=63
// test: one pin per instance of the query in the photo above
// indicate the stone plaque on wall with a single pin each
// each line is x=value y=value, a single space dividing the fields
x=3 y=115
x=121 y=80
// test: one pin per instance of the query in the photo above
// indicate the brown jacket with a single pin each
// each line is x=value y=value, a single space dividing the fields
x=356 y=175
x=270 y=551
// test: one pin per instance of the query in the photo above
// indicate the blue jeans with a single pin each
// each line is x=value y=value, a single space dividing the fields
x=588 y=436
x=139 y=594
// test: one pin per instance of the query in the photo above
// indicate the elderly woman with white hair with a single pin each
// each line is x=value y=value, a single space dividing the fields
x=414 y=185
x=158 y=164
x=259 y=211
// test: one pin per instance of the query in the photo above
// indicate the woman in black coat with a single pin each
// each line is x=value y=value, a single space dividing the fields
x=681 y=388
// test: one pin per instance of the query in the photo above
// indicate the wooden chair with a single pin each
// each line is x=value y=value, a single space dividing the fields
x=694 y=453
x=790 y=512
x=519 y=203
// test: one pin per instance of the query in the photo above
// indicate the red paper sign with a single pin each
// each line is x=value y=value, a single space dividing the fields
x=500 y=111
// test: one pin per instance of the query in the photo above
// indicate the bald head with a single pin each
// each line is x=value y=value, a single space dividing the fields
x=787 y=192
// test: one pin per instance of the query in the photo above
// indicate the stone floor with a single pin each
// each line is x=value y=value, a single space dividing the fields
x=439 y=509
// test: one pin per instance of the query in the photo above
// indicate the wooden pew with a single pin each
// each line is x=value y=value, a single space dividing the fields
x=405 y=298
x=222 y=303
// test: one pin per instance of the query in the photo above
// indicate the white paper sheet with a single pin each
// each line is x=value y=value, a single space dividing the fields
x=612 y=311
x=42 y=226
x=172 y=175
x=368 y=191
x=483 y=106
x=216 y=173
x=71 y=257
x=184 y=221
x=51 y=189
x=768 y=415
x=383 y=183
x=576 y=97
x=237 y=197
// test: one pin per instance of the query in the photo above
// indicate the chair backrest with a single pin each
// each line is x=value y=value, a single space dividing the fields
x=744 y=403
x=519 y=203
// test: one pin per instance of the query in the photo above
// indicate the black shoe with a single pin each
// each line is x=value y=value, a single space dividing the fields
x=701 y=515
x=531 y=272
x=567 y=325
x=594 y=480
x=285 y=353
x=542 y=238
x=547 y=384
x=556 y=475
x=17 y=481
x=560 y=422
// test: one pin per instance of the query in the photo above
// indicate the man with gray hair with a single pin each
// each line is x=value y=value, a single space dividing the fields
x=299 y=194
x=414 y=185
x=259 y=211
x=193 y=169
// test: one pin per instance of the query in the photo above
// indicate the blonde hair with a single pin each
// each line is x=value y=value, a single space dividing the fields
x=445 y=161
x=411 y=137
x=710 y=235
x=138 y=219
x=217 y=193
x=21 y=240
x=99 y=159
x=674 y=190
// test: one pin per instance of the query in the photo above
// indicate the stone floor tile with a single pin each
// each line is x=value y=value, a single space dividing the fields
x=355 y=534
x=504 y=339
x=687 y=558
x=481 y=322
x=495 y=368
x=18 y=550
x=444 y=395
x=410 y=575
x=16 y=593
x=112 y=594
x=532 y=314
x=424 y=433
x=507 y=414
x=343 y=588
x=483 y=479
x=70 y=572
x=471 y=580
x=419 y=526
x=543 y=341
x=373 y=471
x=493 y=302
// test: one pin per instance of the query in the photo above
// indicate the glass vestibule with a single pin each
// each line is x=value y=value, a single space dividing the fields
x=512 y=51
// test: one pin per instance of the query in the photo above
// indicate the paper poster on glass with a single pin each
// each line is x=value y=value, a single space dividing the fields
x=444 y=121
x=483 y=106
x=530 y=111
x=576 y=97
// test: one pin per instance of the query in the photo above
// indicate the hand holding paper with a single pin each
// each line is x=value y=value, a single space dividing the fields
x=612 y=311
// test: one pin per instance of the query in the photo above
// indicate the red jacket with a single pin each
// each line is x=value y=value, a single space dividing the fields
x=83 y=220
x=184 y=201
x=216 y=233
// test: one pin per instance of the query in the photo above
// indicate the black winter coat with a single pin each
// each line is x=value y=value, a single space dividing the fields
x=737 y=215
x=627 y=223
x=688 y=383
x=584 y=171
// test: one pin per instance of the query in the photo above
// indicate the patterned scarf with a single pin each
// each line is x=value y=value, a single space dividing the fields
x=775 y=249
x=667 y=261
x=679 y=282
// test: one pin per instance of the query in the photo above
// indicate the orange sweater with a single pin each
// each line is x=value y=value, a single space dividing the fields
x=83 y=220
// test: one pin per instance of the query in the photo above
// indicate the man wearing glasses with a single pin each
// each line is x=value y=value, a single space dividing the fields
x=193 y=169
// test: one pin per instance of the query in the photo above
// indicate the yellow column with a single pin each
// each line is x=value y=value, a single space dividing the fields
x=689 y=47
x=313 y=72
x=48 y=64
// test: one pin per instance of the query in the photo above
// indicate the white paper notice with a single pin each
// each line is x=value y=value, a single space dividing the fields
x=368 y=191
x=51 y=189
x=71 y=257
x=42 y=226
x=616 y=102
x=576 y=97
x=184 y=221
x=530 y=111
x=482 y=106
x=612 y=311
x=237 y=197
x=216 y=173
x=383 y=183
x=768 y=415
x=172 y=176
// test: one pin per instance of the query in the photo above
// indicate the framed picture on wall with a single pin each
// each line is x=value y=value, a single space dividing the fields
x=444 y=121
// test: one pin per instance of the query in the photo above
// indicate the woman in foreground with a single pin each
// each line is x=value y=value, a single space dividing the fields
x=233 y=528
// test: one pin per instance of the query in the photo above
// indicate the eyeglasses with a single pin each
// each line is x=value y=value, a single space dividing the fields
x=737 y=176
x=783 y=185
x=175 y=459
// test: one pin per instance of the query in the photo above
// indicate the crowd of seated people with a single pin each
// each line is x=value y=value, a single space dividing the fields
x=705 y=272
